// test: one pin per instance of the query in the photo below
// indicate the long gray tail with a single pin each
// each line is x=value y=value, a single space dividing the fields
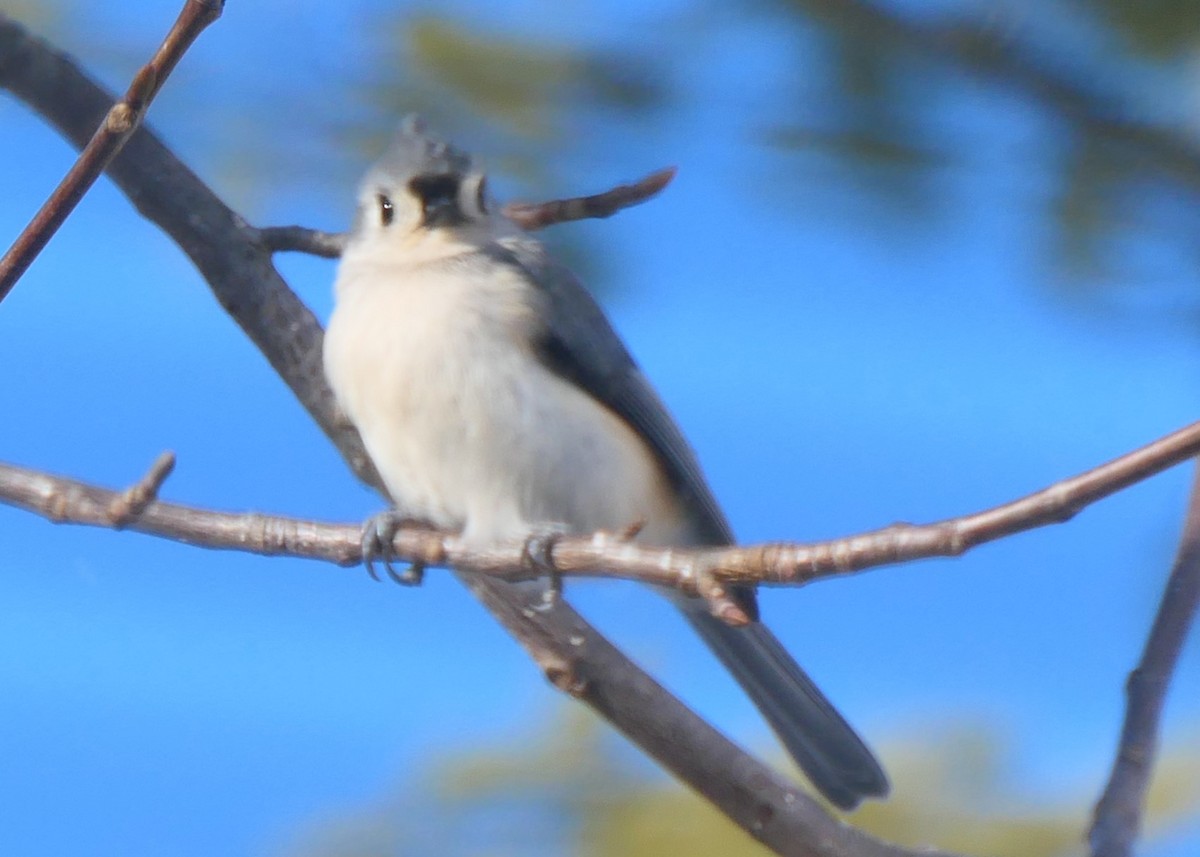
x=823 y=744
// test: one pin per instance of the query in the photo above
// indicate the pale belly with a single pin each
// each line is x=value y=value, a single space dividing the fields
x=474 y=435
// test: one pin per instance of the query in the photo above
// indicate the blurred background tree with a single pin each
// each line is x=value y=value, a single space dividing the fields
x=576 y=788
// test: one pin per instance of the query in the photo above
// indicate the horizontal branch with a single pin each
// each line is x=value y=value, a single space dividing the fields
x=598 y=555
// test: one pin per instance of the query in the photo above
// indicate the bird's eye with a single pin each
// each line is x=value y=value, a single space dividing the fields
x=481 y=196
x=386 y=210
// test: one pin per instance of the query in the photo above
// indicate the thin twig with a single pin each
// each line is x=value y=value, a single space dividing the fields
x=782 y=563
x=605 y=555
x=131 y=503
x=530 y=216
x=298 y=239
x=1117 y=817
x=119 y=123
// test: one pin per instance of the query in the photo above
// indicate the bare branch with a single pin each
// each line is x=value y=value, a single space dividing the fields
x=298 y=239
x=68 y=501
x=532 y=216
x=238 y=269
x=130 y=505
x=701 y=572
x=120 y=121
x=782 y=563
x=1117 y=817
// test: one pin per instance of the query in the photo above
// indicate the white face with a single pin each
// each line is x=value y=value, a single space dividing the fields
x=399 y=207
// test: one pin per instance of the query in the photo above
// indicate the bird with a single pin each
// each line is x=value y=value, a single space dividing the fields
x=496 y=400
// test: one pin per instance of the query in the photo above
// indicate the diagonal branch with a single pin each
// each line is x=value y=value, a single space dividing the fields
x=782 y=563
x=1118 y=814
x=120 y=121
x=236 y=264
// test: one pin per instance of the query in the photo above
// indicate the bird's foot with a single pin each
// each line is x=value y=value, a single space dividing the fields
x=377 y=534
x=537 y=554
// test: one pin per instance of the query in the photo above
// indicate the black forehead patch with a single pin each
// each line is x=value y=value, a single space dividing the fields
x=435 y=187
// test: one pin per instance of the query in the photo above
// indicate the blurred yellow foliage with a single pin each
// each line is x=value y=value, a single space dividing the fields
x=577 y=785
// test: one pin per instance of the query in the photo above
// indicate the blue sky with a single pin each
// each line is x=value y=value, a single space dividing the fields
x=835 y=371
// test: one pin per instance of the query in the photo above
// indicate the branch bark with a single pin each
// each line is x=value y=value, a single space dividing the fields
x=1117 y=817
x=121 y=121
x=604 y=554
x=236 y=263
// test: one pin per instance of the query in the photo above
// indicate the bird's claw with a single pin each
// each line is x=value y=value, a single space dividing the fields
x=377 y=534
x=537 y=554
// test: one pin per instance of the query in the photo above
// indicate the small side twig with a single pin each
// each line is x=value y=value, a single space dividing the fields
x=298 y=239
x=532 y=216
x=119 y=123
x=132 y=502
x=1117 y=817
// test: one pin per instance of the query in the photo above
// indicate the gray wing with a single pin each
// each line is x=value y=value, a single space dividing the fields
x=580 y=345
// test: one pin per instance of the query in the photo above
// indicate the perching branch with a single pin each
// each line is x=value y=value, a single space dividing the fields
x=237 y=267
x=1117 y=817
x=120 y=121
x=530 y=216
x=606 y=555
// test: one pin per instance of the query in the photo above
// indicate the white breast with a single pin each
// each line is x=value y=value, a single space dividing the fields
x=468 y=430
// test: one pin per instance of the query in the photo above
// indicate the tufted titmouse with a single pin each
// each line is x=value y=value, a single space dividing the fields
x=495 y=399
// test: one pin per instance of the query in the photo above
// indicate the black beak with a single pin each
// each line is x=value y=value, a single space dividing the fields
x=439 y=200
